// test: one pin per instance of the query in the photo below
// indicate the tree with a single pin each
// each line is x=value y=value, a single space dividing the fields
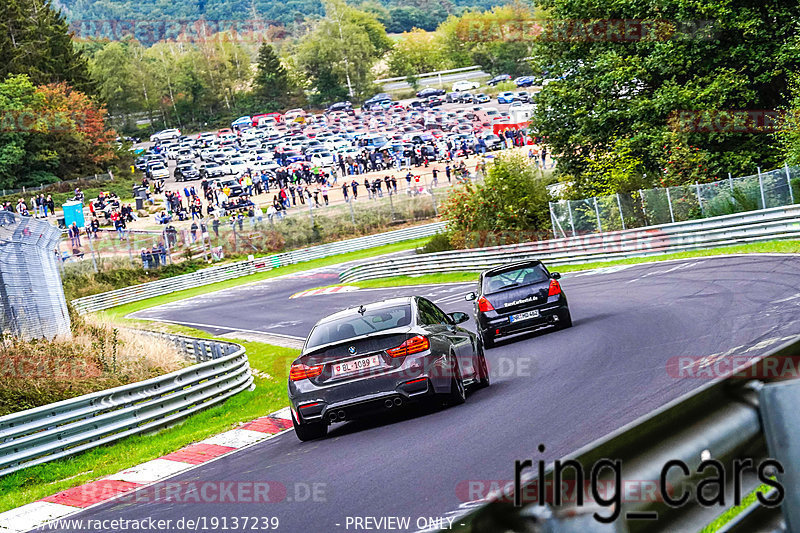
x=49 y=133
x=35 y=40
x=614 y=84
x=271 y=82
x=416 y=52
x=337 y=55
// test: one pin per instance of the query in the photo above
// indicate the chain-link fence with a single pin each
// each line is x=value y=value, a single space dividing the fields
x=651 y=207
x=32 y=299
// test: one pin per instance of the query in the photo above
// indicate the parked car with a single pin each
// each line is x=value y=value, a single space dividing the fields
x=524 y=81
x=507 y=97
x=186 y=172
x=164 y=135
x=451 y=98
x=465 y=85
x=497 y=79
x=482 y=98
x=430 y=91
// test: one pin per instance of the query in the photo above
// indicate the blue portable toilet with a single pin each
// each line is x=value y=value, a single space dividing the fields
x=73 y=212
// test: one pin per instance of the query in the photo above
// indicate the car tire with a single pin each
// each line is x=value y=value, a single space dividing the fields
x=458 y=393
x=306 y=432
x=565 y=321
x=483 y=368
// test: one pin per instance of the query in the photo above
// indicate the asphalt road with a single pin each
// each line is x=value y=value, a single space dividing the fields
x=562 y=389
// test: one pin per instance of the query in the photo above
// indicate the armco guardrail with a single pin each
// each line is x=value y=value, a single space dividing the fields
x=61 y=429
x=753 y=226
x=210 y=275
x=747 y=413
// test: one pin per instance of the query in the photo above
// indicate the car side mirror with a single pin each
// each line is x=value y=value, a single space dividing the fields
x=458 y=317
x=470 y=296
x=555 y=275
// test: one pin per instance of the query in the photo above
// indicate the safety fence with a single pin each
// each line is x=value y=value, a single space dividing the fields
x=651 y=207
x=65 y=428
x=754 y=226
x=650 y=473
x=218 y=273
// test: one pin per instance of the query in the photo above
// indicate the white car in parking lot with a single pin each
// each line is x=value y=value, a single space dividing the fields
x=164 y=135
x=465 y=85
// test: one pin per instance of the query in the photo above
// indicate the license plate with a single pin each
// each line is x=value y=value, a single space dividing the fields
x=355 y=365
x=525 y=316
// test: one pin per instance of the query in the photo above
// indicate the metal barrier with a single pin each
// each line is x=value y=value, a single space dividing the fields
x=215 y=274
x=32 y=303
x=61 y=429
x=748 y=413
x=753 y=226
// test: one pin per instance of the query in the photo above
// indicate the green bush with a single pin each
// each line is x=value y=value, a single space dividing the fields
x=796 y=189
x=438 y=243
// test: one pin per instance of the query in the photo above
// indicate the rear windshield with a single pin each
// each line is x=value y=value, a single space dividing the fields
x=514 y=278
x=354 y=325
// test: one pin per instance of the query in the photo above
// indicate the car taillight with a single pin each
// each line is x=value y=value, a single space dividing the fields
x=300 y=371
x=555 y=288
x=484 y=305
x=413 y=345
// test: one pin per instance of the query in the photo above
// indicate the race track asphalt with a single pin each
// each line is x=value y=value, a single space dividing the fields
x=562 y=389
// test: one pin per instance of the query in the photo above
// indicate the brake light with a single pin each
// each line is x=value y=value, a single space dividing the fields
x=484 y=305
x=413 y=345
x=300 y=371
x=555 y=288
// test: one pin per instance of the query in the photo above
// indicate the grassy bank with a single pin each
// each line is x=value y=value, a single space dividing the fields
x=456 y=277
x=271 y=364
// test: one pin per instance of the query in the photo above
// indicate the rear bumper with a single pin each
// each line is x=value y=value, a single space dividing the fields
x=415 y=379
x=501 y=326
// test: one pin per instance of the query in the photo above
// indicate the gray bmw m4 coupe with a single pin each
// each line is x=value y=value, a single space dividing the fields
x=375 y=357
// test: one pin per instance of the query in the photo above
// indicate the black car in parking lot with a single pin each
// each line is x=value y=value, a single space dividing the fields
x=430 y=91
x=497 y=79
x=518 y=297
x=186 y=172
x=375 y=357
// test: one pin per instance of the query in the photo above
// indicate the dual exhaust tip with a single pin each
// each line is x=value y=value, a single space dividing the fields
x=391 y=403
x=339 y=416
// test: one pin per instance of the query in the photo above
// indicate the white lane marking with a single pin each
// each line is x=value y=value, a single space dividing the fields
x=596 y=271
x=217 y=326
x=33 y=515
x=150 y=471
x=787 y=299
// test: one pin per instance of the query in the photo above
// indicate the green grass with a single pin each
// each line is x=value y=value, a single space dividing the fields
x=40 y=481
x=119 y=312
x=456 y=277
x=731 y=513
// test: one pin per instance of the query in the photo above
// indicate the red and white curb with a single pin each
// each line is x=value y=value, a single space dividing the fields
x=326 y=290
x=76 y=499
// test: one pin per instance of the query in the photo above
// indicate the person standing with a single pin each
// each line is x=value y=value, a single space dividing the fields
x=325 y=193
x=346 y=191
x=435 y=177
x=354 y=186
x=447 y=172
x=544 y=157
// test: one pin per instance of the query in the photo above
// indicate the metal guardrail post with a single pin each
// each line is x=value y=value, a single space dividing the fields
x=669 y=204
x=597 y=214
x=779 y=403
x=699 y=199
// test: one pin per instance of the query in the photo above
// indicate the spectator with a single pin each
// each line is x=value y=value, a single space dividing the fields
x=74 y=233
